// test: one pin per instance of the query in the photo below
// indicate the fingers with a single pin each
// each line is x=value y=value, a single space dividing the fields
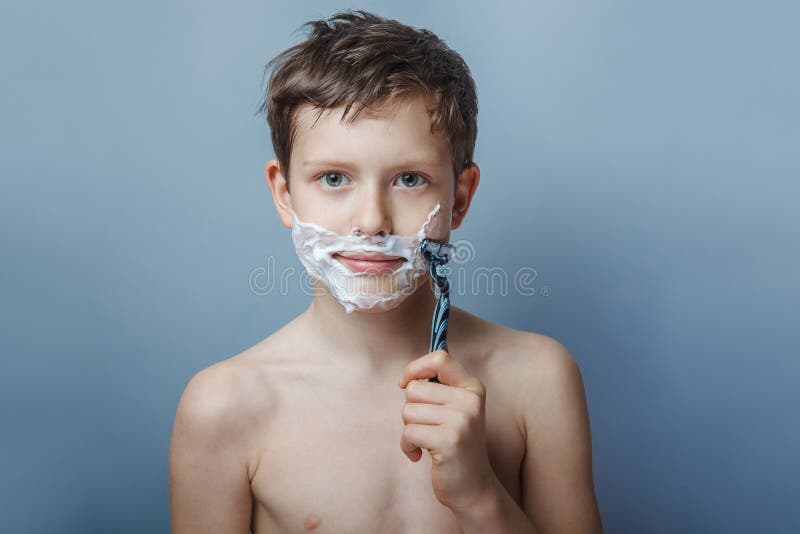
x=436 y=412
x=424 y=414
x=449 y=371
x=415 y=436
x=432 y=392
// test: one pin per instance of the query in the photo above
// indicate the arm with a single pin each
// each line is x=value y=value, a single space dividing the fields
x=557 y=486
x=209 y=484
x=557 y=482
x=496 y=512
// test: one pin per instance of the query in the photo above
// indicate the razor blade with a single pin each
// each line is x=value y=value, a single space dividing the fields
x=436 y=251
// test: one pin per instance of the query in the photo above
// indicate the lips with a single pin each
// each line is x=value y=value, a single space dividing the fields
x=369 y=262
x=371 y=256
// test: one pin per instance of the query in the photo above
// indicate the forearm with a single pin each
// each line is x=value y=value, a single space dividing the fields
x=496 y=512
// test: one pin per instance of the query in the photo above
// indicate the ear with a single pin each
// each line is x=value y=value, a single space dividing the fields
x=279 y=187
x=465 y=190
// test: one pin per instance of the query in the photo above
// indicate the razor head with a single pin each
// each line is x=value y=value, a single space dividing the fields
x=436 y=251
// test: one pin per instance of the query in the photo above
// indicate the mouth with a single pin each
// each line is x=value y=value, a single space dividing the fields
x=369 y=262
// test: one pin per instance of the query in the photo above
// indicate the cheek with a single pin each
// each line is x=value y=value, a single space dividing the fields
x=312 y=207
x=439 y=226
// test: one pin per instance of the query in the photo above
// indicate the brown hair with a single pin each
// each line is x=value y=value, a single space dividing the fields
x=362 y=59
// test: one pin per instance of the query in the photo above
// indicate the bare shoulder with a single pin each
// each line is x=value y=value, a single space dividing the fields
x=550 y=384
x=537 y=373
x=546 y=375
x=544 y=361
x=237 y=379
x=223 y=387
x=228 y=400
x=211 y=456
x=527 y=355
x=213 y=411
x=216 y=392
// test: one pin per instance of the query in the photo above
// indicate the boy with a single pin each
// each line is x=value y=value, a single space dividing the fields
x=322 y=425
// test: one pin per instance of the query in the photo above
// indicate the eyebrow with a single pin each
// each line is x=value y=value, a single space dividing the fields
x=422 y=162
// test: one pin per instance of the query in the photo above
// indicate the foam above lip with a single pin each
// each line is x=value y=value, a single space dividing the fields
x=315 y=246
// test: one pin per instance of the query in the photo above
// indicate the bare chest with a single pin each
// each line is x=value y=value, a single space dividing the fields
x=331 y=464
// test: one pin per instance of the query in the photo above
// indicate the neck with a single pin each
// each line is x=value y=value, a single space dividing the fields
x=374 y=343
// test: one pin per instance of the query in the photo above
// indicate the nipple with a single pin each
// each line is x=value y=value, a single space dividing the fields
x=312 y=521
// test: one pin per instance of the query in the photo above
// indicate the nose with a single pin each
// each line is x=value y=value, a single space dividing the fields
x=371 y=215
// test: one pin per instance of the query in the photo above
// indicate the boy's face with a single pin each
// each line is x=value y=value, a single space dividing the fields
x=384 y=173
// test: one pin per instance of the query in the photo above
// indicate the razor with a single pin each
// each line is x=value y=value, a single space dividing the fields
x=438 y=254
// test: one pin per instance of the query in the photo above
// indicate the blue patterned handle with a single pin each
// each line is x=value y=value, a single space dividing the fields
x=438 y=254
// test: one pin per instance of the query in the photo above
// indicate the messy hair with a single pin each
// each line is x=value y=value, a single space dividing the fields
x=362 y=60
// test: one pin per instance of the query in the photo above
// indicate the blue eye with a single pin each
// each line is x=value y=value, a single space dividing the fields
x=331 y=183
x=412 y=183
x=335 y=179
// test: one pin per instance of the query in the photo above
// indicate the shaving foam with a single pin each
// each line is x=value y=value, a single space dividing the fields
x=316 y=246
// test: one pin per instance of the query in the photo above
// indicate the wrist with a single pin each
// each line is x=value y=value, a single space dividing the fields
x=494 y=511
x=484 y=509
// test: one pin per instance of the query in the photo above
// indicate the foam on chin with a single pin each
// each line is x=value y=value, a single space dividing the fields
x=316 y=245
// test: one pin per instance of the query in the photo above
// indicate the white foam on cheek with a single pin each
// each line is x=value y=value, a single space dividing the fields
x=438 y=223
x=316 y=245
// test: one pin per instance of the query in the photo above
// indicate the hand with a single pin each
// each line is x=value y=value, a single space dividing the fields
x=447 y=419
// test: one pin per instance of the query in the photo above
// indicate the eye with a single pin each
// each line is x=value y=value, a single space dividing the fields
x=332 y=183
x=411 y=180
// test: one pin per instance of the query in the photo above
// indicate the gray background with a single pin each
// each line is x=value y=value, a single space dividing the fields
x=642 y=157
